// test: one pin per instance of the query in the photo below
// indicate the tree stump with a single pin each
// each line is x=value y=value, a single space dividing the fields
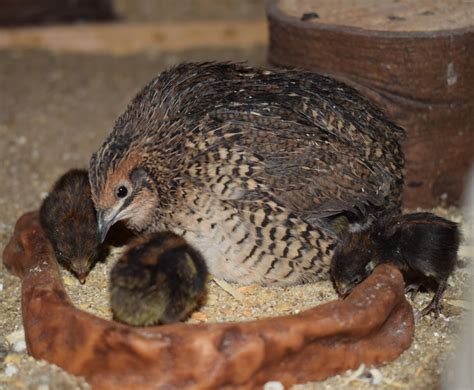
x=414 y=58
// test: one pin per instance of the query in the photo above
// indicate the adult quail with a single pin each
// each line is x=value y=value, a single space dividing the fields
x=252 y=167
x=69 y=219
x=423 y=245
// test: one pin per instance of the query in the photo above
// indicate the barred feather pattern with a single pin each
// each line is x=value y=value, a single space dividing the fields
x=250 y=164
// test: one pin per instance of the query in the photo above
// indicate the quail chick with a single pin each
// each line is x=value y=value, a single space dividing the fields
x=159 y=279
x=251 y=167
x=422 y=245
x=69 y=219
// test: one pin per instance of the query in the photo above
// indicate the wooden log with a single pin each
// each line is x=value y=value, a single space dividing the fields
x=414 y=58
x=373 y=325
x=129 y=38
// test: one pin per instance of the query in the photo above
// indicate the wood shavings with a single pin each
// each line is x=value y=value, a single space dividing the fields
x=16 y=336
x=459 y=303
x=355 y=375
x=229 y=288
x=377 y=376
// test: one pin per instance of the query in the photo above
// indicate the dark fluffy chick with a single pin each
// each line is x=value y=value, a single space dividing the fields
x=423 y=246
x=69 y=219
x=160 y=279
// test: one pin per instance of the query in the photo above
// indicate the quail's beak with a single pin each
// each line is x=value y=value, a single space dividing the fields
x=105 y=219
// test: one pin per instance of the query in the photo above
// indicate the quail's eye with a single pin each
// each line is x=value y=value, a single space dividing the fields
x=122 y=192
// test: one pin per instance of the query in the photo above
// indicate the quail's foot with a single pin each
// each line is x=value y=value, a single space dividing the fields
x=434 y=306
x=413 y=289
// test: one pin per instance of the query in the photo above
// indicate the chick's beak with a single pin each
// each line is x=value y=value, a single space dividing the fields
x=81 y=271
x=343 y=290
x=82 y=277
x=105 y=219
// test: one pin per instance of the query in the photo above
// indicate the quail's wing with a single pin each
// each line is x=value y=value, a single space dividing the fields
x=316 y=144
x=310 y=172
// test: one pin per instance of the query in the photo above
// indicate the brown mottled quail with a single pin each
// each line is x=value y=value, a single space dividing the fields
x=160 y=278
x=252 y=167
x=69 y=219
x=423 y=245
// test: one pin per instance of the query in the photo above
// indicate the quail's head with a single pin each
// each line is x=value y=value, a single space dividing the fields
x=69 y=219
x=160 y=279
x=122 y=190
x=353 y=261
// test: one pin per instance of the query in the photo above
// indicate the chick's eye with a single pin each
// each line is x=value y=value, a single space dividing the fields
x=122 y=192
